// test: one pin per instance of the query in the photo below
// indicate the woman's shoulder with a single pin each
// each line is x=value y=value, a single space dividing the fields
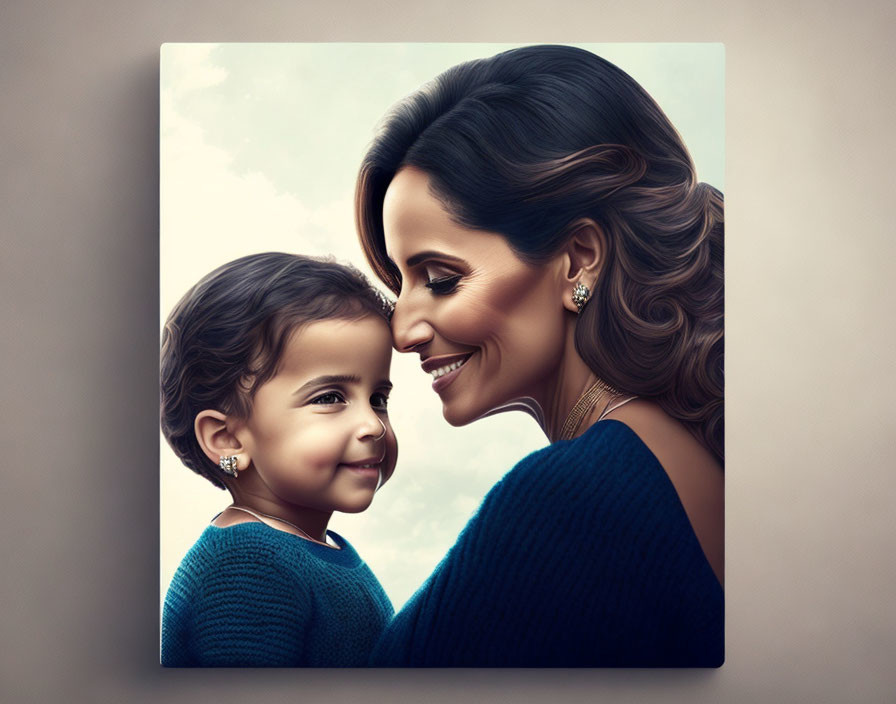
x=607 y=475
x=606 y=487
x=608 y=450
x=694 y=472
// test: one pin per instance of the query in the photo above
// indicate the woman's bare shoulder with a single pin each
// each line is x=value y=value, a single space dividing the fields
x=693 y=470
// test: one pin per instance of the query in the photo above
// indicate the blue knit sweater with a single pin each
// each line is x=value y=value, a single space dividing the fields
x=250 y=595
x=582 y=555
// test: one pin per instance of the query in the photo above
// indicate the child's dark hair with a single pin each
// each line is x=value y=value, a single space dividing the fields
x=225 y=337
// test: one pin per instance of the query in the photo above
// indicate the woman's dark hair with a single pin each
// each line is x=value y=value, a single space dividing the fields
x=225 y=337
x=533 y=141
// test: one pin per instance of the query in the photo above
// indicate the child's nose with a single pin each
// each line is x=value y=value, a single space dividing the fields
x=371 y=427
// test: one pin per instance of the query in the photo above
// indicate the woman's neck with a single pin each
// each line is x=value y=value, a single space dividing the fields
x=558 y=394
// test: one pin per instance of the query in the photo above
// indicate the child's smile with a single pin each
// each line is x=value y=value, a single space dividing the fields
x=319 y=436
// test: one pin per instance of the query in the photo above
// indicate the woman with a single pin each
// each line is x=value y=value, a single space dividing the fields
x=552 y=251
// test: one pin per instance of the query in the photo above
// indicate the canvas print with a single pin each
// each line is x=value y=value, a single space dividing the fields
x=441 y=355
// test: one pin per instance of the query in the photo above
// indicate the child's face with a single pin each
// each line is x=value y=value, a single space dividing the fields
x=318 y=434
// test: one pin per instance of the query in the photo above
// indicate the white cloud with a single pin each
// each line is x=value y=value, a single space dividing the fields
x=187 y=68
x=465 y=505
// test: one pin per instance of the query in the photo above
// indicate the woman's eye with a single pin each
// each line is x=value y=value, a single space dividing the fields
x=444 y=284
x=380 y=401
x=328 y=399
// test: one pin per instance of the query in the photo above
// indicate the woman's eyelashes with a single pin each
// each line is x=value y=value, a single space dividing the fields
x=442 y=285
x=379 y=401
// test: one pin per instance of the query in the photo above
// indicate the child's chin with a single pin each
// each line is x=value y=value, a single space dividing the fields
x=356 y=506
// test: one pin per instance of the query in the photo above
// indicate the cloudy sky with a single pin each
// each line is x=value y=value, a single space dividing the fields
x=260 y=146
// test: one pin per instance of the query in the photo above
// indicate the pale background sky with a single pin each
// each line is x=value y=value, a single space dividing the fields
x=260 y=146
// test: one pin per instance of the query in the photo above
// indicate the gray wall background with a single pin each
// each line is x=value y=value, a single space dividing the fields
x=811 y=102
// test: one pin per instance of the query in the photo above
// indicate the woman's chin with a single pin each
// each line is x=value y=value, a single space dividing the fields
x=457 y=416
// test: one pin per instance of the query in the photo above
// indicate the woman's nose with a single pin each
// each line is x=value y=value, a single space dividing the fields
x=409 y=328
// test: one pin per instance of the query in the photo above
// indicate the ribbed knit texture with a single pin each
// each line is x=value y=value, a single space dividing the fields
x=582 y=555
x=250 y=595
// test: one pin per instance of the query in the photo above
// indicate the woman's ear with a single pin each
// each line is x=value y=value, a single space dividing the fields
x=216 y=440
x=583 y=257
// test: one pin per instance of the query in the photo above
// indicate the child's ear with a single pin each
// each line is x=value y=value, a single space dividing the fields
x=583 y=257
x=216 y=440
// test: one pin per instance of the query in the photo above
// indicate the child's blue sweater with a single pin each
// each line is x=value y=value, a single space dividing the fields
x=582 y=555
x=250 y=595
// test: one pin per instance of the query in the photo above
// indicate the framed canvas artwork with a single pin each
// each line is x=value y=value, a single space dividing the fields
x=442 y=355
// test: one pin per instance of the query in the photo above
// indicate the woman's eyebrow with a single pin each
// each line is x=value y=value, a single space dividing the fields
x=327 y=379
x=431 y=254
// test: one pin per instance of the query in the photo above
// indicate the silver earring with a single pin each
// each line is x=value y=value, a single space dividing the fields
x=228 y=464
x=580 y=294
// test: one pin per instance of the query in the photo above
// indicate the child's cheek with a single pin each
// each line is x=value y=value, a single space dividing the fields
x=321 y=445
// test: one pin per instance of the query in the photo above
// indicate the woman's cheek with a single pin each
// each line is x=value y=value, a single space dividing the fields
x=469 y=324
x=474 y=316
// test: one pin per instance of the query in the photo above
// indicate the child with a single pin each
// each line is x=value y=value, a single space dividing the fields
x=274 y=384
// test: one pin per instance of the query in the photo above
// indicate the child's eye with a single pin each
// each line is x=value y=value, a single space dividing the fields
x=379 y=401
x=329 y=398
x=443 y=285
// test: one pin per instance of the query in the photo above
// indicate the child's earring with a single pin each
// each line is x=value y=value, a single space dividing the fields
x=228 y=464
x=580 y=295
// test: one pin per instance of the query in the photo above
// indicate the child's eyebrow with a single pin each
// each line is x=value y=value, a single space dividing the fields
x=327 y=379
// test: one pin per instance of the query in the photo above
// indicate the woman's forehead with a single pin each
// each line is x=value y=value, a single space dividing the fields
x=416 y=223
x=410 y=204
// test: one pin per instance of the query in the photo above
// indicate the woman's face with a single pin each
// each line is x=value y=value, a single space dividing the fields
x=488 y=326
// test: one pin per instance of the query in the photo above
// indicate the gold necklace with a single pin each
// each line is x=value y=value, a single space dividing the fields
x=259 y=514
x=586 y=403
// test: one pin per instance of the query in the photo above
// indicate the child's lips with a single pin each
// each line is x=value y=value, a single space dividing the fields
x=369 y=467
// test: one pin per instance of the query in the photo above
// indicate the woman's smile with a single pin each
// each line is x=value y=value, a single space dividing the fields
x=444 y=369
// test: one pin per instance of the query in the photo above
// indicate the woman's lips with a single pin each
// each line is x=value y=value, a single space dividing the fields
x=445 y=370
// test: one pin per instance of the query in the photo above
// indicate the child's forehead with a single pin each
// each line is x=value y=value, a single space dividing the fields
x=361 y=342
